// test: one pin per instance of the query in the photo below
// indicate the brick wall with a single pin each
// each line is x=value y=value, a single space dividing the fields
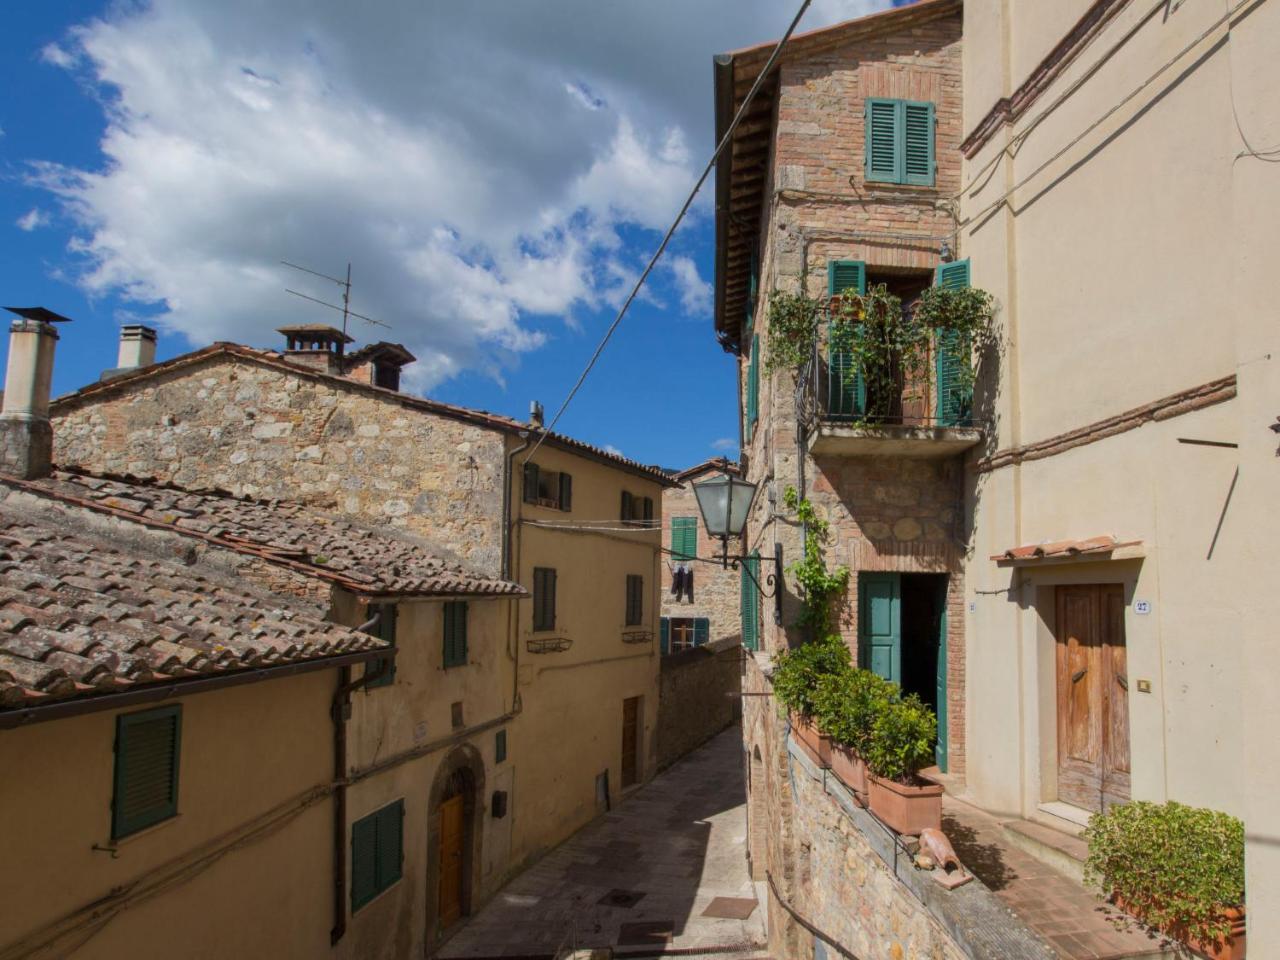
x=258 y=431
x=698 y=697
x=715 y=589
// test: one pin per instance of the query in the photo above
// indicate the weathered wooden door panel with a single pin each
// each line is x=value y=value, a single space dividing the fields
x=451 y=831
x=1092 y=685
x=880 y=624
x=630 y=741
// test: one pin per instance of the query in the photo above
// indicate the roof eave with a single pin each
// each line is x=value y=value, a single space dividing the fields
x=722 y=68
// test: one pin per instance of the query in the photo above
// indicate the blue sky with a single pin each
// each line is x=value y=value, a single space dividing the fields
x=496 y=182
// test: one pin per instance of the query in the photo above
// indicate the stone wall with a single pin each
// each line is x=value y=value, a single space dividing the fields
x=715 y=589
x=259 y=431
x=698 y=696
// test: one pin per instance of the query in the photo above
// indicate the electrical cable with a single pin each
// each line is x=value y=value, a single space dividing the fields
x=1271 y=155
x=635 y=290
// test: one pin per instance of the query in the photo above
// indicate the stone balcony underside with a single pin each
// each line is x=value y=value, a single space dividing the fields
x=835 y=439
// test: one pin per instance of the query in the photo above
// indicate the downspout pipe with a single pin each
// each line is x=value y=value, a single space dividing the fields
x=340 y=711
x=508 y=535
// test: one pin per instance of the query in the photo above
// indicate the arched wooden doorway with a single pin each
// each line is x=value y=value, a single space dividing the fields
x=453 y=842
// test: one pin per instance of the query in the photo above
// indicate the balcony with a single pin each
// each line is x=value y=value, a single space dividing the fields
x=897 y=416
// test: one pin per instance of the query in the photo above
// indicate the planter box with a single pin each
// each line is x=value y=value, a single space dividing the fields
x=1232 y=949
x=815 y=743
x=850 y=768
x=906 y=809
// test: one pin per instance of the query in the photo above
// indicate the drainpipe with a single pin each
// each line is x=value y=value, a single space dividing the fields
x=339 y=712
x=509 y=525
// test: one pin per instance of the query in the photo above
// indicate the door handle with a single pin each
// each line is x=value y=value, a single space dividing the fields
x=1075 y=677
x=1123 y=681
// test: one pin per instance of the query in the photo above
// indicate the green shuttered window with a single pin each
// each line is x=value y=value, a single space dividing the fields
x=384 y=629
x=455 y=634
x=684 y=538
x=846 y=387
x=955 y=396
x=548 y=488
x=544 y=598
x=146 y=775
x=500 y=746
x=635 y=600
x=753 y=387
x=749 y=600
x=900 y=141
x=377 y=853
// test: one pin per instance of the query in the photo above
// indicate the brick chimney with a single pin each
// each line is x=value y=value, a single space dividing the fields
x=26 y=438
x=137 y=350
x=315 y=345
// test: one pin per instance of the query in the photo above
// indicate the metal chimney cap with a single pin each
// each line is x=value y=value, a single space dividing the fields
x=38 y=313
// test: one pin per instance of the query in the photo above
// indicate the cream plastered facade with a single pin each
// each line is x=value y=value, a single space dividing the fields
x=1125 y=231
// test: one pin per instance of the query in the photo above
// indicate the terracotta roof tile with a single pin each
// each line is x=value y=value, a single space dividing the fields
x=1064 y=549
x=363 y=559
x=66 y=635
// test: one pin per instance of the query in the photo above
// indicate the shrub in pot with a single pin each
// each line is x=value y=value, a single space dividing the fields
x=847 y=705
x=901 y=744
x=1179 y=869
x=796 y=675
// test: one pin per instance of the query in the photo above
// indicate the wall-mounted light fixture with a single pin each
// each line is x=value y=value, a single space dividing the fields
x=725 y=503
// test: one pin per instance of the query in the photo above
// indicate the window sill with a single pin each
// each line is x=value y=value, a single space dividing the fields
x=114 y=847
x=377 y=896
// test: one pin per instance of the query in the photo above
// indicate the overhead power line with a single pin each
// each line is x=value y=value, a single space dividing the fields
x=724 y=141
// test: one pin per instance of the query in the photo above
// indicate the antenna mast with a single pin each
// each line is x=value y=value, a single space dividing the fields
x=346 y=296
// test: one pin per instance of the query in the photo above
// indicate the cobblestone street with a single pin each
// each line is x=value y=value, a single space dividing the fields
x=666 y=868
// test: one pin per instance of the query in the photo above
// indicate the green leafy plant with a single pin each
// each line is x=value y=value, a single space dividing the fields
x=847 y=705
x=793 y=329
x=798 y=672
x=1175 y=867
x=965 y=313
x=902 y=739
x=818 y=585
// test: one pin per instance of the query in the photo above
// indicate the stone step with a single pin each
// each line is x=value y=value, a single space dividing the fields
x=1062 y=851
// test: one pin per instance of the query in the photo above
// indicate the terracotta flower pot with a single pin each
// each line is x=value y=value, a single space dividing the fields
x=906 y=809
x=1233 y=948
x=814 y=742
x=850 y=768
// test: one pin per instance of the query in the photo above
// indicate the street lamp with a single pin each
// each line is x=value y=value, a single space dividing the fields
x=725 y=502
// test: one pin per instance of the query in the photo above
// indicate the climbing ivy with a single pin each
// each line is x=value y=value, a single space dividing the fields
x=818 y=585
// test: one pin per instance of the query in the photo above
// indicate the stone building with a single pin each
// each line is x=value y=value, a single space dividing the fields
x=575 y=664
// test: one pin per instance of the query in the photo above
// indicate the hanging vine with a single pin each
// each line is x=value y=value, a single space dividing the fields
x=820 y=586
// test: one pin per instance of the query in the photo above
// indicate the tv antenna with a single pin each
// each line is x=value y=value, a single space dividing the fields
x=346 y=296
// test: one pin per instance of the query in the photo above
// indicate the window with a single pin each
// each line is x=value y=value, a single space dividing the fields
x=376 y=853
x=455 y=634
x=684 y=538
x=753 y=387
x=384 y=629
x=900 y=147
x=548 y=488
x=684 y=633
x=500 y=746
x=146 y=778
x=636 y=510
x=749 y=598
x=544 y=598
x=635 y=600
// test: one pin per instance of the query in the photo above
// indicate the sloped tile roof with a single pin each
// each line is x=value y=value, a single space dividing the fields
x=1064 y=549
x=79 y=619
x=369 y=561
x=271 y=358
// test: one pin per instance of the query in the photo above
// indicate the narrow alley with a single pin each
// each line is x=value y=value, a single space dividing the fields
x=666 y=869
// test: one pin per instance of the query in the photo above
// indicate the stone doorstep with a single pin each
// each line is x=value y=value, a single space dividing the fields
x=1064 y=852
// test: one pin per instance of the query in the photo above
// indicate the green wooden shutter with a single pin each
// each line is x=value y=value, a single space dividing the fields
x=635 y=600
x=846 y=387
x=701 y=631
x=750 y=602
x=500 y=746
x=455 y=634
x=684 y=538
x=880 y=624
x=628 y=508
x=647 y=511
x=146 y=769
x=364 y=861
x=544 y=598
x=385 y=630
x=753 y=387
x=883 y=157
x=955 y=397
x=664 y=634
x=918 y=164
x=940 y=749
x=566 y=492
x=530 y=483
x=390 y=844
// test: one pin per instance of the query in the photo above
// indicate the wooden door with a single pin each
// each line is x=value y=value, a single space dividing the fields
x=1093 y=696
x=880 y=624
x=451 y=831
x=630 y=741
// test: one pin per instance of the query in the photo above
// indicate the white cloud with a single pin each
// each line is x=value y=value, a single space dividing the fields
x=610 y=448
x=444 y=151
x=33 y=219
x=725 y=445
x=695 y=293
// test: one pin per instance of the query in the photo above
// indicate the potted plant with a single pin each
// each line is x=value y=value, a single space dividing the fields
x=796 y=676
x=901 y=744
x=1178 y=869
x=847 y=706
